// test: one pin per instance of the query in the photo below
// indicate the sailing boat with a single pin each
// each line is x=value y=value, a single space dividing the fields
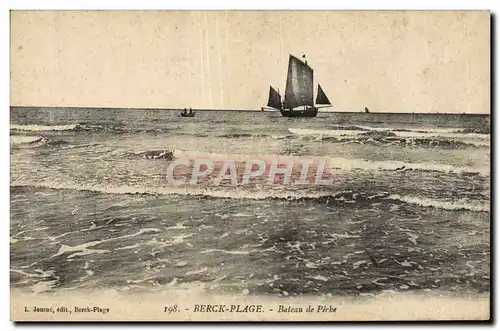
x=299 y=98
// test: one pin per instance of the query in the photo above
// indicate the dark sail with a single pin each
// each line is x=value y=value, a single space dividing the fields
x=321 y=98
x=299 y=84
x=274 y=100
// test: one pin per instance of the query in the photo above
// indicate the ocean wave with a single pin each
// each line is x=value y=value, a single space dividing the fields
x=478 y=206
x=153 y=154
x=321 y=197
x=332 y=131
x=254 y=135
x=244 y=135
x=438 y=131
x=237 y=135
x=341 y=163
x=352 y=164
x=410 y=129
x=79 y=127
x=39 y=128
x=358 y=129
x=161 y=154
x=377 y=137
x=65 y=127
x=325 y=133
x=26 y=142
x=57 y=143
x=476 y=130
x=337 y=163
x=214 y=192
x=468 y=137
x=388 y=139
x=21 y=140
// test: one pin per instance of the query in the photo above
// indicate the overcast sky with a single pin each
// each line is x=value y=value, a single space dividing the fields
x=387 y=61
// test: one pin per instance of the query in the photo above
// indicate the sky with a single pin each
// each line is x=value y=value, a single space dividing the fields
x=388 y=61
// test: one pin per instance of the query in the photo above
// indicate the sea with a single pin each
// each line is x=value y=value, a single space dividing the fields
x=408 y=208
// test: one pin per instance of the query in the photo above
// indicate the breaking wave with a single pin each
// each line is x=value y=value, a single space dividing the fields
x=26 y=142
x=436 y=131
x=351 y=164
x=253 y=135
x=299 y=195
x=39 y=128
x=80 y=127
x=353 y=134
x=331 y=162
x=415 y=138
x=21 y=140
x=161 y=154
x=339 y=132
x=336 y=163
x=479 y=206
x=481 y=131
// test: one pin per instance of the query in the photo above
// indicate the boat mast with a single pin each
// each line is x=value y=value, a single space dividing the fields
x=305 y=62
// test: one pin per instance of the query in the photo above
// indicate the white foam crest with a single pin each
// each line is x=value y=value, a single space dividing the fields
x=242 y=215
x=39 y=273
x=178 y=226
x=18 y=140
x=408 y=129
x=84 y=249
x=185 y=154
x=141 y=231
x=216 y=192
x=341 y=163
x=328 y=133
x=37 y=128
x=179 y=239
x=136 y=245
x=471 y=138
x=195 y=272
x=478 y=206
x=213 y=250
x=318 y=277
x=332 y=163
x=79 y=250
x=352 y=164
x=44 y=286
x=246 y=194
x=453 y=134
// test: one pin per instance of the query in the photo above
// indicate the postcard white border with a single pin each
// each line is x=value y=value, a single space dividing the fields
x=492 y=5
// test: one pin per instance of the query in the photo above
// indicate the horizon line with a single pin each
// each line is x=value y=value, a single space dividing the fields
x=254 y=110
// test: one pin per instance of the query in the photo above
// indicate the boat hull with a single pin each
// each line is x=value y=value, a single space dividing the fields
x=309 y=112
x=187 y=115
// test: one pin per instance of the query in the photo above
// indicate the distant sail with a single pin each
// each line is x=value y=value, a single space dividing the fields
x=299 y=84
x=274 y=98
x=321 y=98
